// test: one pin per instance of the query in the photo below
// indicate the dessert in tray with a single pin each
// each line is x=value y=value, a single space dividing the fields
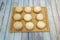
x=29 y=19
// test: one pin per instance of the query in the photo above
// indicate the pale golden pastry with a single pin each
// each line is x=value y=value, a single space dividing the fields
x=37 y=9
x=17 y=17
x=29 y=25
x=27 y=9
x=18 y=9
x=39 y=16
x=41 y=24
x=27 y=17
x=18 y=25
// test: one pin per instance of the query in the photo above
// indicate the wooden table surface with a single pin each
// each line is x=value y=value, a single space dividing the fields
x=53 y=11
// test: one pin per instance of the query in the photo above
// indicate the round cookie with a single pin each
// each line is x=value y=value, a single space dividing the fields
x=37 y=9
x=17 y=17
x=29 y=25
x=18 y=9
x=39 y=16
x=27 y=17
x=28 y=9
x=41 y=24
x=18 y=25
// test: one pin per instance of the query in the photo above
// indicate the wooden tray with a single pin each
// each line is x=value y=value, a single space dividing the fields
x=43 y=11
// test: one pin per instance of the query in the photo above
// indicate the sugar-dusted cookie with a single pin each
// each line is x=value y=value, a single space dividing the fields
x=18 y=25
x=41 y=24
x=28 y=9
x=18 y=9
x=17 y=17
x=37 y=9
x=29 y=25
x=39 y=16
x=27 y=17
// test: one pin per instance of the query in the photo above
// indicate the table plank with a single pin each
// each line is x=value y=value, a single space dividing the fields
x=55 y=15
x=57 y=3
x=5 y=20
x=53 y=33
x=58 y=7
x=10 y=36
x=2 y=12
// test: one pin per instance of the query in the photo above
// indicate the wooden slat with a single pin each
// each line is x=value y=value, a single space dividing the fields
x=46 y=36
x=21 y=3
x=2 y=12
x=57 y=3
x=42 y=3
x=5 y=20
x=30 y=3
x=35 y=3
x=53 y=34
x=11 y=36
x=31 y=36
x=55 y=15
x=38 y=36
x=24 y=36
x=17 y=36
x=25 y=3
